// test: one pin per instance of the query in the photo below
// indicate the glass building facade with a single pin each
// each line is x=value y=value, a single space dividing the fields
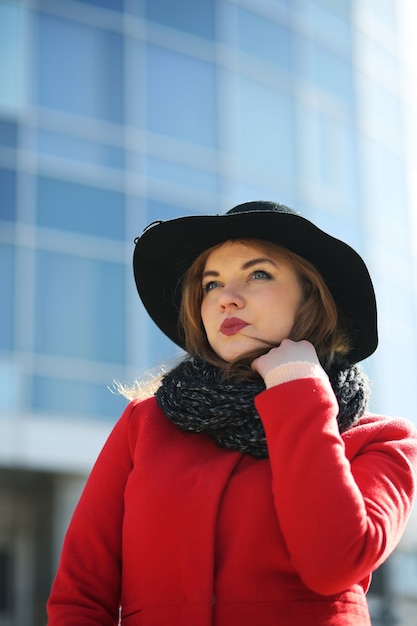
x=116 y=113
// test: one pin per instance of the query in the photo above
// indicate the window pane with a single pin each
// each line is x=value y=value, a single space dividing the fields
x=6 y=299
x=264 y=39
x=188 y=15
x=161 y=349
x=7 y=194
x=181 y=174
x=79 y=309
x=12 y=385
x=329 y=27
x=338 y=7
x=403 y=572
x=159 y=211
x=66 y=147
x=135 y=92
x=113 y=5
x=80 y=209
x=8 y=134
x=329 y=157
x=384 y=187
x=11 y=59
x=264 y=124
x=380 y=104
x=80 y=69
x=135 y=7
x=60 y=396
x=382 y=63
x=326 y=70
x=181 y=96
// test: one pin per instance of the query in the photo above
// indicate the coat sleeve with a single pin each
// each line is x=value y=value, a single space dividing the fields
x=342 y=503
x=86 y=590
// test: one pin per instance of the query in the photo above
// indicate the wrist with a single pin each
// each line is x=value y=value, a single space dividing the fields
x=293 y=371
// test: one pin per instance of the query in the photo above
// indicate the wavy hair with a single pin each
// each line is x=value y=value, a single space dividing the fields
x=317 y=319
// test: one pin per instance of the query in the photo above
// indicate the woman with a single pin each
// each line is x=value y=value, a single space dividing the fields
x=253 y=488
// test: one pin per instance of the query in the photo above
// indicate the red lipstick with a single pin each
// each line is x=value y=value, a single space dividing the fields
x=232 y=325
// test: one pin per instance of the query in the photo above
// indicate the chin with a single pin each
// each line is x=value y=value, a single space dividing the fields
x=249 y=355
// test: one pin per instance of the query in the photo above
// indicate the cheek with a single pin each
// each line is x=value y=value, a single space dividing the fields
x=295 y=298
x=204 y=313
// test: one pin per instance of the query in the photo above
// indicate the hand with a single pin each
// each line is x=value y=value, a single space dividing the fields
x=287 y=352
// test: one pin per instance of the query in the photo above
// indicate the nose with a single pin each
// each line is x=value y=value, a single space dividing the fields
x=230 y=298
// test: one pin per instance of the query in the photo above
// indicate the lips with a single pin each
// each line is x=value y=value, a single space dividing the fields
x=232 y=325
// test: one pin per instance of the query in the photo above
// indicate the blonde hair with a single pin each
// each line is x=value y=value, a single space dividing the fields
x=146 y=384
x=317 y=319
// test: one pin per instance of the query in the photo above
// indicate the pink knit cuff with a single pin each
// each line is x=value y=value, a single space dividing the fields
x=293 y=371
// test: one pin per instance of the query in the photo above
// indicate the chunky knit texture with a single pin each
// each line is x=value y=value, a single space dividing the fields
x=196 y=397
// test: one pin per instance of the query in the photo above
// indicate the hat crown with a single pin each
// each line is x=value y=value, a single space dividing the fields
x=261 y=205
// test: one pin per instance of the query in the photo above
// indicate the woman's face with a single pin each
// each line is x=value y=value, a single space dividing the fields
x=249 y=299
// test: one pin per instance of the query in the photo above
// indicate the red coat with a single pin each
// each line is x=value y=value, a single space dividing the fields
x=181 y=532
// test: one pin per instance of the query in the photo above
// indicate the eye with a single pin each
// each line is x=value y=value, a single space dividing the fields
x=261 y=275
x=212 y=284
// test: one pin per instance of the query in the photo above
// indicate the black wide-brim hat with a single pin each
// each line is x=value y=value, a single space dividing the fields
x=167 y=249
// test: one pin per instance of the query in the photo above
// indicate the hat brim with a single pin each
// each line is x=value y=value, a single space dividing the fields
x=167 y=249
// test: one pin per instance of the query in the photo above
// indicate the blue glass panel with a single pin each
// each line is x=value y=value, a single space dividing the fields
x=8 y=133
x=59 y=396
x=6 y=299
x=333 y=74
x=383 y=104
x=135 y=7
x=12 y=385
x=162 y=349
x=160 y=211
x=181 y=174
x=329 y=27
x=385 y=187
x=264 y=39
x=342 y=8
x=326 y=71
x=80 y=69
x=137 y=219
x=188 y=15
x=11 y=57
x=113 y=5
x=330 y=156
x=135 y=93
x=386 y=68
x=80 y=208
x=181 y=97
x=64 y=146
x=402 y=573
x=264 y=131
x=7 y=194
x=80 y=307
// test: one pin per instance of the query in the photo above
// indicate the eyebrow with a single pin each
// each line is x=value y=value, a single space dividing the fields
x=247 y=265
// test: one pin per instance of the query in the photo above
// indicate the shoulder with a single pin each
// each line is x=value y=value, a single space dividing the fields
x=145 y=418
x=139 y=412
x=136 y=417
x=139 y=407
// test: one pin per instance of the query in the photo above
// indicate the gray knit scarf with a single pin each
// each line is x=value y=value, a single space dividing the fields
x=195 y=397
